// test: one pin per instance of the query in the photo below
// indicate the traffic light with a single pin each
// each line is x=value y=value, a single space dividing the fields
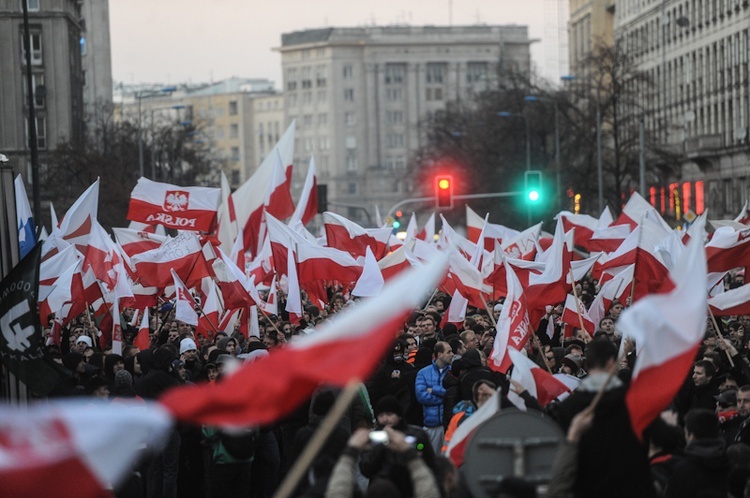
x=533 y=185
x=444 y=191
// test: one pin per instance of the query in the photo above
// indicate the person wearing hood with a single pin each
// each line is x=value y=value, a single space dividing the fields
x=704 y=469
x=381 y=462
x=390 y=377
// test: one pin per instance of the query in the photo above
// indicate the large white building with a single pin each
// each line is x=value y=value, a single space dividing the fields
x=359 y=95
x=696 y=54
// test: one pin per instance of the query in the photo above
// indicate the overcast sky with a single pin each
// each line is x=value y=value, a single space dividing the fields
x=174 y=41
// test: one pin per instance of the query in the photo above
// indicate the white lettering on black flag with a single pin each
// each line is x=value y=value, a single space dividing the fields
x=21 y=341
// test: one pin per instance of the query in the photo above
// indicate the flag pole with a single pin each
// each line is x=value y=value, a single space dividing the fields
x=431 y=298
x=200 y=308
x=721 y=336
x=538 y=345
x=575 y=295
x=318 y=440
x=486 y=307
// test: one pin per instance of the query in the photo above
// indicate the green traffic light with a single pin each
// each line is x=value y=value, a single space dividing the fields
x=396 y=224
x=533 y=195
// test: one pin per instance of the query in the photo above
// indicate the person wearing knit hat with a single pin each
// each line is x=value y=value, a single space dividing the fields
x=388 y=406
x=84 y=342
x=571 y=364
x=187 y=345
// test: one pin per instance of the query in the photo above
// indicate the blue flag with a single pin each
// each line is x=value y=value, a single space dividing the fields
x=24 y=219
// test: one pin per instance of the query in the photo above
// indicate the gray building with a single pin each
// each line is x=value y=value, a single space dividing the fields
x=696 y=54
x=68 y=68
x=359 y=95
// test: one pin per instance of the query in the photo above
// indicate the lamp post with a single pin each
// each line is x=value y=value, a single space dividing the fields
x=558 y=187
x=139 y=96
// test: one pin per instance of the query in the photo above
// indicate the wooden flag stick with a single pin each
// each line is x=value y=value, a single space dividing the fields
x=575 y=295
x=539 y=346
x=489 y=311
x=318 y=440
x=718 y=332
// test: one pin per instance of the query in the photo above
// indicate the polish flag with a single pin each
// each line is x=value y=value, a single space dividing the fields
x=51 y=269
x=210 y=316
x=281 y=237
x=293 y=296
x=467 y=280
x=75 y=226
x=307 y=207
x=744 y=216
x=728 y=249
x=271 y=306
x=636 y=209
x=570 y=315
x=608 y=239
x=265 y=390
x=261 y=267
x=326 y=263
x=731 y=302
x=237 y=253
x=370 y=282
x=668 y=329
x=449 y=237
x=88 y=447
x=411 y=230
x=142 y=340
x=584 y=225
x=237 y=290
x=184 y=302
x=185 y=208
x=618 y=288
x=226 y=229
x=428 y=232
x=102 y=256
x=266 y=189
x=145 y=227
x=492 y=231
x=457 y=446
x=538 y=382
x=182 y=254
x=456 y=309
x=136 y=242
x=116 y=328
x=60 y=292
x=523 y=245
x=395 y=263
x=346 y=235
x=513 y=325
x=228 y=320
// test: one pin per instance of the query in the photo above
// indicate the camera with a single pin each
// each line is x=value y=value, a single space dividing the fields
x=378 y=437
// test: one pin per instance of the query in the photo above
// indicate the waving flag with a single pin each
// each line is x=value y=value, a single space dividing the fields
x=731 y=302
x=24 y=219
x=307 y=207
x=371 y=281
x=538 y=382
x=271 y=387
x=75 y=226
x=346 y=235
x=87 y=446
x=142 y=340
x=571 y=315
x=457 y=447
x=186 y=208
x=513 y=325
x=184 y=304
x=182 y=254
x=668 y=329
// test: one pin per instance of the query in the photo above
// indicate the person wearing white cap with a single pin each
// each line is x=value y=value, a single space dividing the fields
x=84 y=342
x=189 y=356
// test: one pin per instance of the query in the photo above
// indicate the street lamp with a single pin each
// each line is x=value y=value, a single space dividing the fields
x=534 y=98
x=139 y=96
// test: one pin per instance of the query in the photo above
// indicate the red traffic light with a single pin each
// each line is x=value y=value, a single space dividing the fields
x=444 y=191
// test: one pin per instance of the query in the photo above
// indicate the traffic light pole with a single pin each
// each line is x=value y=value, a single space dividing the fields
x=432 y=199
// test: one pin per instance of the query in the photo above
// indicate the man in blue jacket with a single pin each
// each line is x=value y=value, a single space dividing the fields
x=430 y=392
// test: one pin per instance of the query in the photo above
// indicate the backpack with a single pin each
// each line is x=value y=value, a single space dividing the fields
x=240 y=444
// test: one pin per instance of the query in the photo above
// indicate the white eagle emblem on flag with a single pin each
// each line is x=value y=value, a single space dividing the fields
x=176 y=200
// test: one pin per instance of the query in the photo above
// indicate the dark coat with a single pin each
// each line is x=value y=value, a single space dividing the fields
x=610 y=457
x=703 y=473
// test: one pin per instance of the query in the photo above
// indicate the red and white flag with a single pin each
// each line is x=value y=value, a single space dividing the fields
x=731 y=302
x=226 y=229
x=265 y=390
x=293 y=296
x=116 y=327
x=88 y=447
x=75 y=226
x=668 y=329
x=346 y=235
x=326 y=263
x=523 y=245
x=636 y=209
x=182 y=254
x=370 y=282
x=135 y=242
x=142 y=341
x=492 y=232
x=618 y=288
x=744 y=216
x=728 y=249
x=513 y=325
x=428 y=232
x=185 y=208
x=395 y=262
x=457 y=447
x=210 y=316
x=571 y=315
x=307 y=207
x=538 y=382
x=184 y=302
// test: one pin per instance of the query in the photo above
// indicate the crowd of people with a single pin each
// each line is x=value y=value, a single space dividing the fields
x=392 y=439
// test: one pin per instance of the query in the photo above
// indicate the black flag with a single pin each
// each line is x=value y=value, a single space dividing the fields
x=21 y=340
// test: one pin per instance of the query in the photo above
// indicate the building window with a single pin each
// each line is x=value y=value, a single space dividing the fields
x=33 y=5
x=349 y=94
x=350 y=142
x=234 y=131
x=307 y=120
x=307 y=98
x=394 y=117
x=321 y=75
x=348 y=72
x=41 y=131
x=322 y=96
x=235 y=177
x=351 y=162
x=350 y=118
x=434 y=93
x=435 y=72
x=40 y=91
x=394 y=140
x=233 y=108
x=307 y=77
x=394 y=94
x=476 y=71
x=82 y=42
x=292 y=100
x=323 y=143
x=291 y=78
x=36 y=49
x=235 y=153
x=394 y=73
x=352 y=188
x=322 y=119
